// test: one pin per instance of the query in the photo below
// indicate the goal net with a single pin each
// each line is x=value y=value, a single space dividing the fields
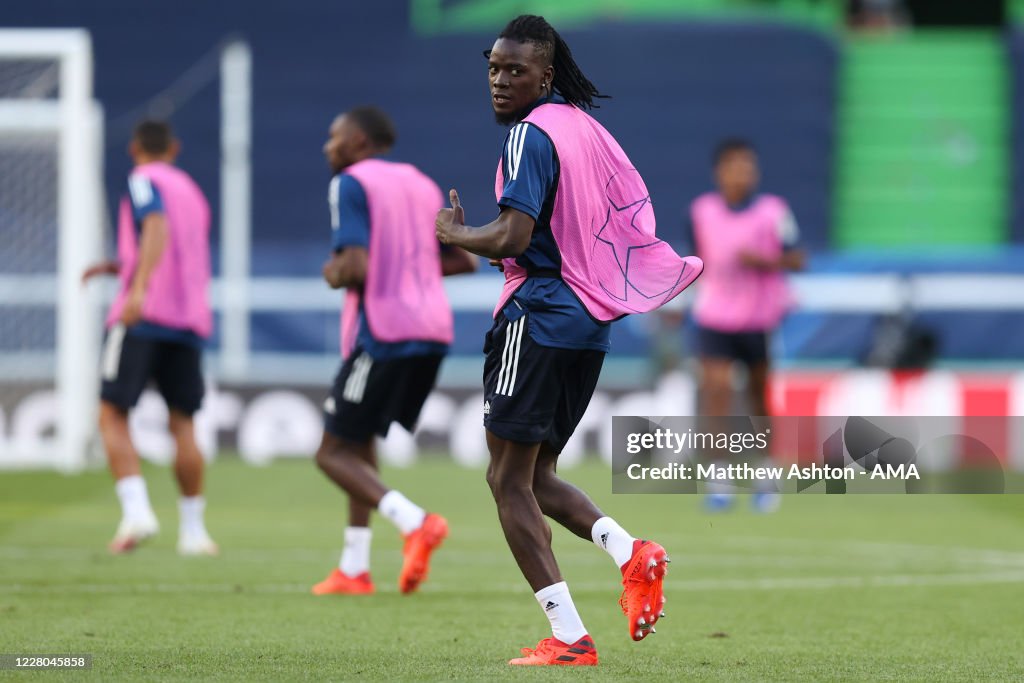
x=50 y=230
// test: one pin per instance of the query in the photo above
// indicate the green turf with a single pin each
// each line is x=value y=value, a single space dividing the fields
x=851 y=588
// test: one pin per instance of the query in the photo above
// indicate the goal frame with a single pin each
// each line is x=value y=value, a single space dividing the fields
x=76 y=120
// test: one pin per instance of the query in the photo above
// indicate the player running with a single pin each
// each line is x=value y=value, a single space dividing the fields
x=747 y=241
x=575 y=235
x=396 y=326
x=155 y=330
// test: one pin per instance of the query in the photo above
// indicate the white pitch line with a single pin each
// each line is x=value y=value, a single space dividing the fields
x=820 y=556
x=587 y=556
x=882 y=549
x=682 y=585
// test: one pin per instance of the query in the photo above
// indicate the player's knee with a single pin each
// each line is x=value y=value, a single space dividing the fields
x=543 y=475
x=491 y=478
x=324 y=455
x=717 y=381
x=507 y=485
x=180 y=425
x=112 y=416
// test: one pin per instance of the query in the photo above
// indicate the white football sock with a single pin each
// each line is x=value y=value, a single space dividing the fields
x=355 y=557
x=190 y=516
x=557 y=604
x=401 y=511
x=613 y=539
x=134 y=498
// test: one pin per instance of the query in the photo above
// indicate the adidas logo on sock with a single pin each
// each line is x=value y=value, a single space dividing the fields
x=487 y=407
x=604 y=540
x=550 y=606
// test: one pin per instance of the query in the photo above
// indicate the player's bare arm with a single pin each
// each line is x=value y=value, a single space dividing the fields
x=790 y=259
x=793 y=259
x=346 y=268
x=101 y=268
x=151 y=248
x=457 y=261
x=507 y=236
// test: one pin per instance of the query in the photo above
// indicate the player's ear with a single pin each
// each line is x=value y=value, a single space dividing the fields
x=363 y=142
x=174 y=149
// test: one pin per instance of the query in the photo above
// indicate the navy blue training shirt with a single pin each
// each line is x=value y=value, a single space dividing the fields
x=530 y=168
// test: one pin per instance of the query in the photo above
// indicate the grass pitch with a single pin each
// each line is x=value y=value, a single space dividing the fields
x=852 y=588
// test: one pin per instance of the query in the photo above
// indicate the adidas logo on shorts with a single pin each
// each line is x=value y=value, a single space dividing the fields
x=329 y=406
x=487 y=407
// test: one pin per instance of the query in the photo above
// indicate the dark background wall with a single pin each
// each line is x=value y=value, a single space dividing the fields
x=676 y=89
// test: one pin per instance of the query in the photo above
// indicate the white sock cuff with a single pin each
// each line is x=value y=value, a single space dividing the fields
x=558 y=607
x=401 y=511
x=605 y=525
x=391 y=499
x=188 y=504
x=131 y=491
x=553 y=589
x=355 y=557
x=355 y=534
x=130 y=485
x=613 y=539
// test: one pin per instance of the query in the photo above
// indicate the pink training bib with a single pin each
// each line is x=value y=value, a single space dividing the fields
x=733 y=297
x=404 y=295
x=603 y=223
x=178 y=290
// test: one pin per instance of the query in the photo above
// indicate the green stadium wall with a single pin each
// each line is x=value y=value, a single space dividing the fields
x=923 y=154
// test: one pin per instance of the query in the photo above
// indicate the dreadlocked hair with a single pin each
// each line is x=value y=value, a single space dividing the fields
x=569 y=80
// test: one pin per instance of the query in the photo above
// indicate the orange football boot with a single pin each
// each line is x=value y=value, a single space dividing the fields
x=339 y=583
x=642 y=598
x=418 y=546
x=553 y=652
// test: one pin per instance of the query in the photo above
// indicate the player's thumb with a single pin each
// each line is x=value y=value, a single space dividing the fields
x=458 y=215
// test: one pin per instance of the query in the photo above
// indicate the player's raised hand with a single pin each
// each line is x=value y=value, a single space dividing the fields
x=450 y=221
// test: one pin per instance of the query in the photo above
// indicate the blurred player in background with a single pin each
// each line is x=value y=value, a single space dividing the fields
x=747 y=240
x=560 y=174
x=396 y=328
x=156 y=329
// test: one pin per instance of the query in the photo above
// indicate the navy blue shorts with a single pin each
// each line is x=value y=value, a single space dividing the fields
x=130 y=361
x=534 y=393
x=368 y=395
x=750 y=348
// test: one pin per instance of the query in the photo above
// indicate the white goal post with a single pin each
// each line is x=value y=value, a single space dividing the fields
x=51 y=180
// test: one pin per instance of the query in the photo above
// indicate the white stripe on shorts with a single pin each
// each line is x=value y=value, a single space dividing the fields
x=355 y=385
x=504 y=357
x=510 y=357
x=515 y=356
x=112 y=353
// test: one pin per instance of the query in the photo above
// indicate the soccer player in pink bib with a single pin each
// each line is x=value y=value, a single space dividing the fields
x=396 y=326
x=155 y=331
x=575 y=238
x=747 y=240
